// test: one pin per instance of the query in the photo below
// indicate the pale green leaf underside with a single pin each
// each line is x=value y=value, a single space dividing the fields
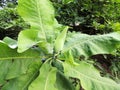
x=28 y=38
x=46 y=79
x=87 y=45
x=90 y=77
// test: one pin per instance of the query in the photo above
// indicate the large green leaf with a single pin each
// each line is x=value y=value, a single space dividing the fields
x=46 y=79
x=90 y=78
x=16 y=67
x=40 y=15
x=87 y=45
x=23 y=81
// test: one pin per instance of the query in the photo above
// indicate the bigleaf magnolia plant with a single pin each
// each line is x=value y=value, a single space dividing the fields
x=46 y=56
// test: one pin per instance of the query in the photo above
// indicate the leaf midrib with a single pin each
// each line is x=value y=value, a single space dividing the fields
x=6 y=58
x=47 y=80
x=40 y=18
x=80 y=43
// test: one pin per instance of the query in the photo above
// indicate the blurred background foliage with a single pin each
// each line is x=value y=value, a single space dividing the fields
x=10 y=22
x=89 y=16
x=86 y=16
x=8 y=3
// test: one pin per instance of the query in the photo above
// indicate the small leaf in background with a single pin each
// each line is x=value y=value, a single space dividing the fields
x=10 y=42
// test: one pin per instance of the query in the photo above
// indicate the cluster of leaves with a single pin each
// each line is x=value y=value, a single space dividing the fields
x=91 y=17
x=47 y=56
x=88 y=16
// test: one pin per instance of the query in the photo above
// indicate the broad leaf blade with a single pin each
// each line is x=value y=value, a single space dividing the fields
x=90 y=77
x=39 y=13
x=23 y=81
x=46 y=79
x=14 y=65
x=87 y=45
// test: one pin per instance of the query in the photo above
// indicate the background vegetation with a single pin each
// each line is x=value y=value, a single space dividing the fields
x=10 y=22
